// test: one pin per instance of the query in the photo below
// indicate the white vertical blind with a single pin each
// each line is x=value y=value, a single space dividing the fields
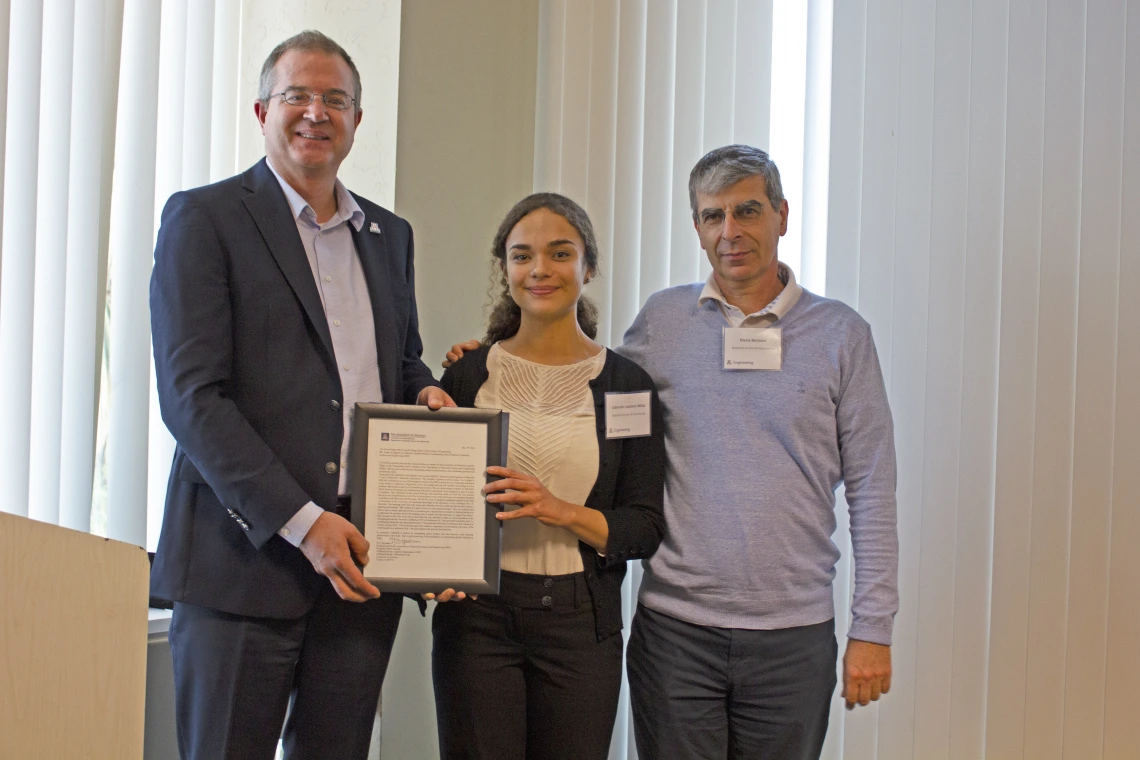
x=51 y=257
x=1095 y=417
x=979 y=159
x=788 y=102
x=132 y=237
x=5 y=20
x=624 y=258
x=183 y=110
x=224 y=90
x=85 y=248
x=816 y=148
x=600 y=190
x=656 y=151
x=17 y=265
x=689 y=82
x=196 y=96
x=1121 y=730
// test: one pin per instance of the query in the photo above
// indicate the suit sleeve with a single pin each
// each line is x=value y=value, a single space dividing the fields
x=415 y=374
x=192 y=329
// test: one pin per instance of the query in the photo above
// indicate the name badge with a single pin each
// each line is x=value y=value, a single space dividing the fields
x=628 y=415
x=752 y=348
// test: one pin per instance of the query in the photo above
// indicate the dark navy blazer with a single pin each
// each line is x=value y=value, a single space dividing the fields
x=248 y=385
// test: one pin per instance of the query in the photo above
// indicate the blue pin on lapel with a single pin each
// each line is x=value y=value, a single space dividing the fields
x=374 y=228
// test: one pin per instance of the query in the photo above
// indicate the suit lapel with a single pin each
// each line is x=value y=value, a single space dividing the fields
x=270 y=211
x=375 y=260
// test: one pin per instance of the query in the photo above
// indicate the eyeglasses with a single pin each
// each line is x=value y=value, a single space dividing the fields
x=337 y=101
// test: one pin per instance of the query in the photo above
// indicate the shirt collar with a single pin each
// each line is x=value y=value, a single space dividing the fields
x=780 y=305
x=346 y=206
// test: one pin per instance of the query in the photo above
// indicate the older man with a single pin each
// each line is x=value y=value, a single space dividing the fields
x=279 y=299
x=772 y=398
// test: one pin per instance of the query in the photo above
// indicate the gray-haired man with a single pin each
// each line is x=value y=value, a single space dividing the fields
x=772 y=398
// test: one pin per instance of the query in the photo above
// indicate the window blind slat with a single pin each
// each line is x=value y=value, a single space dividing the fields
x=788 y=102
x=985 y=162
x=907 y=370
x=944 y=382
x=224 y=90
x=752 y=78
x=85 y=209
x=1017 y=373
x=131 y=245
x=51 y=258
x=657 y=147
x=1056 y=368
x=1121 y=730
x=1095 y=402
x=548 y=102
x=575 y=132
x=688 y=140
x=625 y=264
x=17 y=270
x=601 y=104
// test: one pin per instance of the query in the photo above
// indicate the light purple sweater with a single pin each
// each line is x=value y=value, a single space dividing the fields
x=754 y=458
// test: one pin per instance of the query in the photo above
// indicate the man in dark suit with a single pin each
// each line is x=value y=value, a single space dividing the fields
x=278 y=300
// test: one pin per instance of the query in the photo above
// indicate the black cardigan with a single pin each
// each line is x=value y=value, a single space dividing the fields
x=629 y=489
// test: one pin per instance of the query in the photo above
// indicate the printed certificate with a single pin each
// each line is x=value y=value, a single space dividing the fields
x=417 y=479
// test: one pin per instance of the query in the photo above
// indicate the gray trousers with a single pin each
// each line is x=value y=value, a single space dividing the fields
x=707 y=693
x=235 y=677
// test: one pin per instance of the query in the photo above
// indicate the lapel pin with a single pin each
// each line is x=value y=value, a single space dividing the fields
x=374 y=228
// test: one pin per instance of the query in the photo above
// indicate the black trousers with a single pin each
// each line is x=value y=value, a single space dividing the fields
x=517 y=678
x=235 y=677
x=716 y=693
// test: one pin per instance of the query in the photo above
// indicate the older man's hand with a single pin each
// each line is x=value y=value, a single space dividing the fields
x=457 y=351
x=866 y=672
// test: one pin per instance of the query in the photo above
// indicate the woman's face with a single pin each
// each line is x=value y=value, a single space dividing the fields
x=546 y=265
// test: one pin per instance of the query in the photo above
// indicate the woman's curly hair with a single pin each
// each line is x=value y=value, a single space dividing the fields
x=505 y=315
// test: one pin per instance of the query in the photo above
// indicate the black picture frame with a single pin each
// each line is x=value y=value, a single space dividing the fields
x=497 y=424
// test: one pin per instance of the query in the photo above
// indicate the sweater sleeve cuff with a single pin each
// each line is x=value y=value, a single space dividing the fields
x=875 y=634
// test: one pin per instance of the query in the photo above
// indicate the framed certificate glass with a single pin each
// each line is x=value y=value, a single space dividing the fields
x=417 y=479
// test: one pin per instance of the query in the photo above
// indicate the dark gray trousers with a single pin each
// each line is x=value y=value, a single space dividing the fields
x=235 y=677
x=706 y=693
x=517 y=679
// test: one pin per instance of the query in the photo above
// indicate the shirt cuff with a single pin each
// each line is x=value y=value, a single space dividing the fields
x=298 y=526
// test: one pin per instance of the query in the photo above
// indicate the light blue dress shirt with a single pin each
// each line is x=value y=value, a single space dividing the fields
x=348 y=308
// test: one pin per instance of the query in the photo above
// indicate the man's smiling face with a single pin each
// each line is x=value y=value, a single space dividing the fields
x=308 y=141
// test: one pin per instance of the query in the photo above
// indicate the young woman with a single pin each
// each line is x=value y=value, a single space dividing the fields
x=534 y=672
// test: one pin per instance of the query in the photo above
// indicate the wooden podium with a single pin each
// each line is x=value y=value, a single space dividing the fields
x=73 y=643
